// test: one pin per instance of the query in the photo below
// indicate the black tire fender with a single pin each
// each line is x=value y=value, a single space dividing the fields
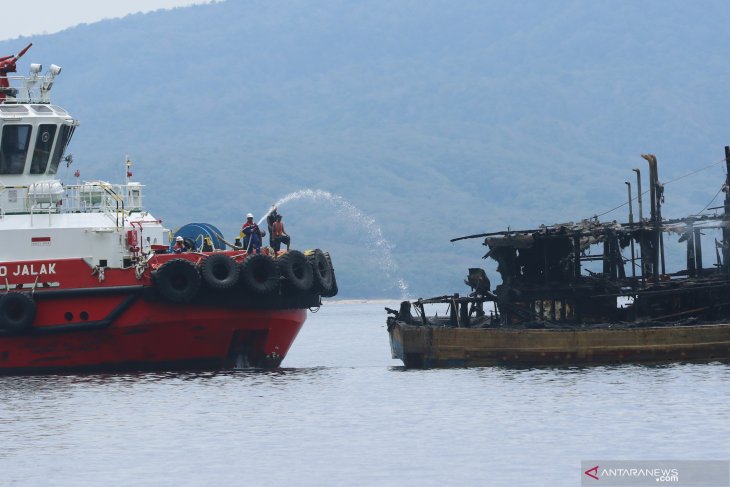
x=334 y=290
x=17 y=312
x=219 y=271
x=296 y=270
x=259 y=274
x=178 y=280
x=322 y=270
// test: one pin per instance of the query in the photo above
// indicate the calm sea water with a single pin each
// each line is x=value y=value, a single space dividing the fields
x=342 y=412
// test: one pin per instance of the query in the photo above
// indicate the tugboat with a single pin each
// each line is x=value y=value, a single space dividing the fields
x=89 y=279
x=566 y=297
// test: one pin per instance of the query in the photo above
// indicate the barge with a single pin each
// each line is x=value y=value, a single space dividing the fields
x=585 y=293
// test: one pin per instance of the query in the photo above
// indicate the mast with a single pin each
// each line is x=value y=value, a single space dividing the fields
x=654 y=196
x=631 y=224
x=641 y=225
x=726 y=215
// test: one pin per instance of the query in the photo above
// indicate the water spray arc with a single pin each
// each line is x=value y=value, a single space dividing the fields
x=375 y=234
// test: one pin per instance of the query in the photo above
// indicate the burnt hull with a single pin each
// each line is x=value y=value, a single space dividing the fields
x=427 y=346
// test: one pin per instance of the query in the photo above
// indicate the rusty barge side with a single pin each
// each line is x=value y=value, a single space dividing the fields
x=430 y=346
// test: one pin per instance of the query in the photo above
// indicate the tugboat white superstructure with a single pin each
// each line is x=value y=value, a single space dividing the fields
x=87 y=276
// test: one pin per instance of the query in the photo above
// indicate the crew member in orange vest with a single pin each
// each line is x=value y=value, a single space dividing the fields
x=280 y=236
x=270 y=220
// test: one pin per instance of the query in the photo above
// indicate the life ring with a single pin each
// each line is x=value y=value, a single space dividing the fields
x=178 y=280
x=17 y=312
x=259 y=274
x=321 y=269
x=219 y=271
x=333 y=290
x=296 y=270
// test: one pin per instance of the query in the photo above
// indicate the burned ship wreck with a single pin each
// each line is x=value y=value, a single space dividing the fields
x=584 y=293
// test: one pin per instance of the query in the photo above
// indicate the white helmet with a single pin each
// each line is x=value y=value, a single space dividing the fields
x=250 y=215
x=178 y=239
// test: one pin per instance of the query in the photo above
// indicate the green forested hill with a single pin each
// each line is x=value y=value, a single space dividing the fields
x=435 y=119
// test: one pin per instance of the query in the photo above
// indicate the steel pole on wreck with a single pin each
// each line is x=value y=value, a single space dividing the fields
x=631 y=224
x=654 y=196
x=638 y=194
x=641 y=224
x=726 y=216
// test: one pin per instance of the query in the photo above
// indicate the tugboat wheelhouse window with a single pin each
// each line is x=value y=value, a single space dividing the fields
x=64 y=136
x=42 y=151
x=14 y=148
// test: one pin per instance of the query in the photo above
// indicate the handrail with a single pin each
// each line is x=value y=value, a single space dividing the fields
x=118 y=199
x=28 y=89
x=106 y=199
x=51 y=196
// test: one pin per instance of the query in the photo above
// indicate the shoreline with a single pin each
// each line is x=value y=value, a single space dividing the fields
x=361 y=301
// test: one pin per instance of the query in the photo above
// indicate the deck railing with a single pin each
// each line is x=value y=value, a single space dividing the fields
x=28 y=89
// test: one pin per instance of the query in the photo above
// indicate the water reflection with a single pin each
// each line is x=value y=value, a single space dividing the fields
x=35 y=392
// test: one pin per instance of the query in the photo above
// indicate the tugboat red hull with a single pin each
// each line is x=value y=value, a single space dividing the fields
x=158 y=336
x=67 y=320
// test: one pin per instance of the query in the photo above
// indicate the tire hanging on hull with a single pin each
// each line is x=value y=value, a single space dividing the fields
x=220 y=271
x=17 y=312
x=178 y=280
x=322 y=271
x=259 y=274
x=296 y=271
x=333 y=290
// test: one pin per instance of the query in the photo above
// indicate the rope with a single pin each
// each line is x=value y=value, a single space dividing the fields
x=695 y=172
x=713 y=199
x=613 y=209
x=625 y=203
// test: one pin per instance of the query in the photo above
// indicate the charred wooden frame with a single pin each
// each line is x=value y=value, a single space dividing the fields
x=545 y=278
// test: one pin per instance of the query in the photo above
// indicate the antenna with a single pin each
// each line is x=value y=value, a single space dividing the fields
x=127 y=166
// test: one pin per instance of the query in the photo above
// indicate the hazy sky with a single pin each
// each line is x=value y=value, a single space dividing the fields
x=48 y=16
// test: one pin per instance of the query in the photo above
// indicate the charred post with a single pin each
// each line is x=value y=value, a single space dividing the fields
x=698 y=251
x=691 y=253
x=643 y=264
x=638 y=194
x=726 y=215
x=631 y=224
x=453 y=312
x=655 y=214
